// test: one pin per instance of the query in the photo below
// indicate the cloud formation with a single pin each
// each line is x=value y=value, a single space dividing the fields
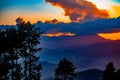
x=80 y=10
x=59 y=34
x=110 y=36
x=20 y=21
x=54 y=21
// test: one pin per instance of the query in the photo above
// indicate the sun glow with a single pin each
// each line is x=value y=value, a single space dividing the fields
x=110 y=36
x=106 y=4
x=114 y=11
x=112 y=7
x=59 y=34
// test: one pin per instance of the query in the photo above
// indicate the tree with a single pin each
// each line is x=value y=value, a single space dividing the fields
x=20 y=44
x=31 y=36
x=7 y=50
x=13 y=42
x=65 y=70
x=117 y=75
x=109 y=72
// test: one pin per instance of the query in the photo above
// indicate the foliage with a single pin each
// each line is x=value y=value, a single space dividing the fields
x=18 y=53
x=110 y=72
x=65 y=70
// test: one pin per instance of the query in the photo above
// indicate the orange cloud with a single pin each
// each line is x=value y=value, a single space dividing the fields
x=20 y=21
x=114 y=11
x=110 y=36
x=59 y=34
x=80 y=10
x=54 y=21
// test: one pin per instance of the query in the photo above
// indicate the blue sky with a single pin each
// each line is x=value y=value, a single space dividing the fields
x=15 y=3
x=118 y=1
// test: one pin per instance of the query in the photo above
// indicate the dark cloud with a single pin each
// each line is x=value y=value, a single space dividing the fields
x=54 y=21
x=80 y=10
x=80 y=29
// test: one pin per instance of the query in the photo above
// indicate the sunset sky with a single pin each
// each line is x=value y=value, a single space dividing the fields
x=34 y=10
x=85 y=31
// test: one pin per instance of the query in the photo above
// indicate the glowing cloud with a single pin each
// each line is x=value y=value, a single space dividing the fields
x=106 y=4
x=59 y=34
x=20 y=21
x=80 y=10
x=114 y=11
x=54 y=21
x=110 y=36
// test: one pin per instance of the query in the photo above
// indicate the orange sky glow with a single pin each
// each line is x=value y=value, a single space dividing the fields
x=10 y=17
x=110 y=36
x=59 y=34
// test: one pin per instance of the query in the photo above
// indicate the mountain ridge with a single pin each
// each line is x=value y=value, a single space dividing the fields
x=90 y=74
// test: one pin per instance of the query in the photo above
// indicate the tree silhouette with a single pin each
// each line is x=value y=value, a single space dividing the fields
x=31 y=37
x=109 y=72
x=7 y=50
x=20 y=44
x=117 y=75
x=65 y=70
x=12 y=51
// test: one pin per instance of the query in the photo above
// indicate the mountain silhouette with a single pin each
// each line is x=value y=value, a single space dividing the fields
x=47 y=69
x=91 y=74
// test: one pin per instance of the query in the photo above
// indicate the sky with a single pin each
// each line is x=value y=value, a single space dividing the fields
x=85 y=31
x=42 y=10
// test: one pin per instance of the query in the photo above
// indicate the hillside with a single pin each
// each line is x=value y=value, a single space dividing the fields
x=91 y=74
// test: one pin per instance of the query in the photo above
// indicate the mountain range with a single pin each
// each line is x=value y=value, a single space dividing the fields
x=90 y=74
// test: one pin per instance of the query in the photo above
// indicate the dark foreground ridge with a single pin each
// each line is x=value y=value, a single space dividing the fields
x=91 y=74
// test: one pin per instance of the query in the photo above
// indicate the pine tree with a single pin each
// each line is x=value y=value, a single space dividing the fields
x=117 y=75
x=31 y=36
x=109 y=72
x=11 y=39
x=7 y=50
x=65 y=70
x=20 y=44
